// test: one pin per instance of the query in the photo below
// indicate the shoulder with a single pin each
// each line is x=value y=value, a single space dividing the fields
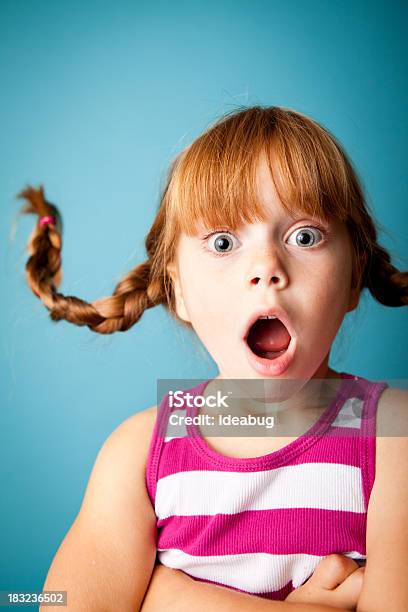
x=391 y=430
x=120 y=464
x=139 y=421
x=392 y=413
x=134 y=433
x=124 y=452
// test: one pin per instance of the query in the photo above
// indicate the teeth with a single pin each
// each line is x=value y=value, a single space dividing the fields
x=268 y=317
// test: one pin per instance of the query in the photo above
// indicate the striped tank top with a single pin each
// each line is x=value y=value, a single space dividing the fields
x=261 y=525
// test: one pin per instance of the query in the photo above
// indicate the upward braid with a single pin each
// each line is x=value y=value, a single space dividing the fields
x=130 y=298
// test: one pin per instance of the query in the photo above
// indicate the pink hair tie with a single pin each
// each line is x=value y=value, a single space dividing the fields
x=47 y=219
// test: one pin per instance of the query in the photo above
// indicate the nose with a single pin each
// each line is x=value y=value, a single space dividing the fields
x=267 y=270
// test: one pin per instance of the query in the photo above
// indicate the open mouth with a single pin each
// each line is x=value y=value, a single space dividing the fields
x=268 y=338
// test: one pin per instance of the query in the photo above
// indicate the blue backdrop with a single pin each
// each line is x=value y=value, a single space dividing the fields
x=97 y=98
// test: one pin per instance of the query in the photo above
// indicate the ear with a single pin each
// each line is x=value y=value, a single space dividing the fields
x=178 y=293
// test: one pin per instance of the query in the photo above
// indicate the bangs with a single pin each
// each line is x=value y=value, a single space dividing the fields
x=214 y=180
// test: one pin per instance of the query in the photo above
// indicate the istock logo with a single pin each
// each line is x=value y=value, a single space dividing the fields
x=178 y=399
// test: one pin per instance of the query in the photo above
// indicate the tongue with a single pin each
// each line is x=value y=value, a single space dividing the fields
x=269 y=335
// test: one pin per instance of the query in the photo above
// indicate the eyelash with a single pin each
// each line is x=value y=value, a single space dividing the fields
x=221 y=230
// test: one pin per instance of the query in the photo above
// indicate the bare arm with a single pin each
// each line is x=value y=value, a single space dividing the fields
x=385 y=585
x=107 y=557
x=174 y=591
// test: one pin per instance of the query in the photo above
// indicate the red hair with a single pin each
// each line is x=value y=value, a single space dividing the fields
x=214 y=181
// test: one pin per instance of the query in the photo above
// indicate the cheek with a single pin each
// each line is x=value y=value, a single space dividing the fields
x=206 y=297
x=332 y=276
x=204 y=284
x=339 y=280
x=326 y=295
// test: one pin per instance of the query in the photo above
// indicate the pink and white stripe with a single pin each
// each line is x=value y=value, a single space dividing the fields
x=261 y=525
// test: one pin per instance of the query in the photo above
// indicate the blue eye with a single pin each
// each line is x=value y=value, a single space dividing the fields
x=220 y=242
x=306 y=236
x=223 y=242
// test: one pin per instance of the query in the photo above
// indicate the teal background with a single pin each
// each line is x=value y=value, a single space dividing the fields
x=97 y=98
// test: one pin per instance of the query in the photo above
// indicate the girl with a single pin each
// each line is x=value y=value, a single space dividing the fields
x=262 y=216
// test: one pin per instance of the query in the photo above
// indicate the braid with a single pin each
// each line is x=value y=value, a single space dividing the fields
x=387 y=285
x=131 y=297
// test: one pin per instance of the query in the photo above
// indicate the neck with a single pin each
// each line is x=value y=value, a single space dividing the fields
x=289 y=400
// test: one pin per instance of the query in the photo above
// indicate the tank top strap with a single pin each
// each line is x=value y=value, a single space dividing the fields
x=358 y=416
x=368 y=436
x=155 y=448
x=162 y=433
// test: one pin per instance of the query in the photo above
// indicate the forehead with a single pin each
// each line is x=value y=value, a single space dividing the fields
x=267 y=193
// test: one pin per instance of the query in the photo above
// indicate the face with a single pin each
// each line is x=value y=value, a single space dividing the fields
x=272 y=263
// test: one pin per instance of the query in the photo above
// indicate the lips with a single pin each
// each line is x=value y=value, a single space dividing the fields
x=277 y=364
x=271 y=367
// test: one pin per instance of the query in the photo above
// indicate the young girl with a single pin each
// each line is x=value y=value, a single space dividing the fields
x=261 y=216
